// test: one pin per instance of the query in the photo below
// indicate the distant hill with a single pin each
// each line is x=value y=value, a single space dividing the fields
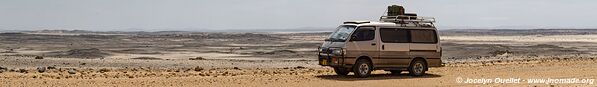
x=270 y=30
x=198 y=30
x=518 y=31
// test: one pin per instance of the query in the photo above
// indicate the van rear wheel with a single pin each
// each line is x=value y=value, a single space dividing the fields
x=417 y=68
x=341 y=71
x=362 y=68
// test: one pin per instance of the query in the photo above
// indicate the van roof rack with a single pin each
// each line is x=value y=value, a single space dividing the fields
x=405 y=19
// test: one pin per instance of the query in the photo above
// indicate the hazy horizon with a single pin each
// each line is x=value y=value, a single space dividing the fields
x=197 y=15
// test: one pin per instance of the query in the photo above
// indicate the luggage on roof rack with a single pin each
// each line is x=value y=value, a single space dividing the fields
x=395 y=10
x=396 y=14
x=411 y=14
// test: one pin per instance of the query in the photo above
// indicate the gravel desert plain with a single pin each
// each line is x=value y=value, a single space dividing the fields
x=283 y=59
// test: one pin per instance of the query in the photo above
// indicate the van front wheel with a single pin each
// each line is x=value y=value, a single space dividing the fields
x=417 y=68
x=362 y=68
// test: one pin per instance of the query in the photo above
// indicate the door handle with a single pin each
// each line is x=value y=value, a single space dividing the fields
x=383 y=47
x=373 y=44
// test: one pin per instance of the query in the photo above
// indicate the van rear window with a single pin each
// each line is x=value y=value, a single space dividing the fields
x=423 y=36
x=394 y=35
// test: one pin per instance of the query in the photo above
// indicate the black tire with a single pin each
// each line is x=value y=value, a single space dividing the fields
x=341 y=71
x=362 y=68
x=396 y=72
x=417 y=68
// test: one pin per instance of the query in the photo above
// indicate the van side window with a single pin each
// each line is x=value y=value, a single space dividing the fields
x=393 y=35
x=363 y=34
x=423 y=36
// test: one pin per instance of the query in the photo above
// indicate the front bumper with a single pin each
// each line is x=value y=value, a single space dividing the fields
x=330 y=60
x=327 y=58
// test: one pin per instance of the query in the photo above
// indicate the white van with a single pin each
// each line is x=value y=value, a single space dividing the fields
x=396 y=44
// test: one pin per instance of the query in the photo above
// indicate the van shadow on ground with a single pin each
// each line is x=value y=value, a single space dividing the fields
x=351 y=77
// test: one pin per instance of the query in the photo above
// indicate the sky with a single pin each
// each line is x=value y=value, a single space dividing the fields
x=193 y=15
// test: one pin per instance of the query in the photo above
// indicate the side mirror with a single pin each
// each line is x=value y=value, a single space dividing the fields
x=354 y=38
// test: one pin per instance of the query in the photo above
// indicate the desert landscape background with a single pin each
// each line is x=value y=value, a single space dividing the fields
x=180 y=58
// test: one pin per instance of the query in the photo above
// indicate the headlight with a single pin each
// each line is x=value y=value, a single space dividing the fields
x=321 y=50
x=337 y=52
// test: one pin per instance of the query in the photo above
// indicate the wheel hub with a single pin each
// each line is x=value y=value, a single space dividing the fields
x=418 y=68
x=364 y=68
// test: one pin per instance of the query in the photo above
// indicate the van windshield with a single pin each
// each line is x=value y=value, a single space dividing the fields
x=341 y=34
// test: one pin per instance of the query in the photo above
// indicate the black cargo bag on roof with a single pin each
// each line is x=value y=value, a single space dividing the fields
x=412 y=16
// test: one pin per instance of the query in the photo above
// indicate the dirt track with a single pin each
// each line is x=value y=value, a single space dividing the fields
x=312 y=77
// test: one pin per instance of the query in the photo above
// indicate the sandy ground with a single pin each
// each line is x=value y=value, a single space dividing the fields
x=313 y=77
x=84 y=58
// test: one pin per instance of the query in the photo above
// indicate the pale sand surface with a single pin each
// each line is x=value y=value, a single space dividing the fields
x=317 y=77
